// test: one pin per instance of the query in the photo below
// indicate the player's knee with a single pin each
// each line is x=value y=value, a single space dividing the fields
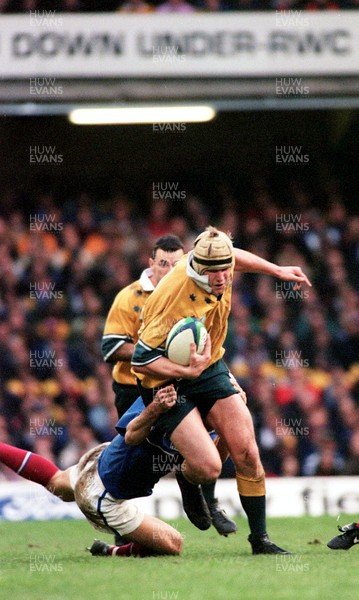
x=248 y=456
x=173 y=543
x=205 y=471
x=176 y=545
x=215 y=471
x=253 y=459
x=211 y=470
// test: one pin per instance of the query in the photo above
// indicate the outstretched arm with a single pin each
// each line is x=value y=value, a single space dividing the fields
x=246 y=262
x=138 y=429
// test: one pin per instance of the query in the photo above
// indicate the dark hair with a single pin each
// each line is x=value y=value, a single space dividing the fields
x=168 y=243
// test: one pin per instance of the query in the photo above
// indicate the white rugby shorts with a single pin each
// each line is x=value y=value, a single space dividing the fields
x=103 y=511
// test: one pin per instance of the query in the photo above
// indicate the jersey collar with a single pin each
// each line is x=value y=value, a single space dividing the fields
x=145 y=281
x=200 y=280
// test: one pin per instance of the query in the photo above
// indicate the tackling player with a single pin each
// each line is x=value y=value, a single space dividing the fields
x=118 y=342
x=110 y=475
x=200 y=286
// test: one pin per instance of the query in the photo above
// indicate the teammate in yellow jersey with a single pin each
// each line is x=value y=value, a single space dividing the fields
x=124 y=319
x=201 y=286
x=118 y=341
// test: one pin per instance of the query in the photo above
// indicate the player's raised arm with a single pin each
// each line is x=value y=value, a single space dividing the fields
x=139 y=428
x=247 y=262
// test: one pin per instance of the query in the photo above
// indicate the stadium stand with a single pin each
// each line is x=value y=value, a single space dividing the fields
x=296 y=354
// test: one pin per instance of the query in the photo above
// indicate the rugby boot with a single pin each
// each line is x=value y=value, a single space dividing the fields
x=261 y=544
x=220 y=520
x=349 y=537
x=99 y=548
x=119 y=541
x=194 y=503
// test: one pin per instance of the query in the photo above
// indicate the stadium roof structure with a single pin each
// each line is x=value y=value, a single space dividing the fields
x=51 y=63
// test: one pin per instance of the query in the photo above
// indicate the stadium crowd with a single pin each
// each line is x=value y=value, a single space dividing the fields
x=168 y=6
x=294 y=351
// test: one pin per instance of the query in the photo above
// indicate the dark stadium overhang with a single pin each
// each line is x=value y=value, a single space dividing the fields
x=222 y=94
x=246 y=104
x=132 y=90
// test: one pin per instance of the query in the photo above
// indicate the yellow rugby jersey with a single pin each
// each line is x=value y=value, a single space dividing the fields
x=175 y=297
x=123 y=322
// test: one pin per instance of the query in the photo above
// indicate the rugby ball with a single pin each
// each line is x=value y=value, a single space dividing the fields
x=181 y=336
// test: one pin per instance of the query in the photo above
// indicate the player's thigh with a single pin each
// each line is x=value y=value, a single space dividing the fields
x=231 y=418
x=192 y=441
x=157 y=535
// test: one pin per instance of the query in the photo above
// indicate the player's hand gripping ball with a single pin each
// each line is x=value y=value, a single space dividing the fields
x=179 y=339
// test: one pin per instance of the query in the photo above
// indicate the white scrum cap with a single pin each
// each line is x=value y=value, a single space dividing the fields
x=213 y=250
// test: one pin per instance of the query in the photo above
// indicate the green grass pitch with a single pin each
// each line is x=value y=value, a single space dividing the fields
x=48 y=561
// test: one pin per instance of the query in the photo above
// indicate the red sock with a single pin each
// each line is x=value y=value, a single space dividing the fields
x=132 y=549
x=28 y=465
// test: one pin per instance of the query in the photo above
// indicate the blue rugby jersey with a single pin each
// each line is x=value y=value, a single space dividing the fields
x=132 y=471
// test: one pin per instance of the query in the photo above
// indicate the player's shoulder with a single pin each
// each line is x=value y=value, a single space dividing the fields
x=182 y=262
x=134 y=289
x=177 y=274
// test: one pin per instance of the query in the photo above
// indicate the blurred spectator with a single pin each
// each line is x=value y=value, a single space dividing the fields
x=351 y=466
x=213 y=6
x=325 y=459
x=82 y=439
x=136 y=6
x=170 y=6
x=72 y=5
x=321 y=5
x=8 y=6
x=158 y=222
x=290 y=466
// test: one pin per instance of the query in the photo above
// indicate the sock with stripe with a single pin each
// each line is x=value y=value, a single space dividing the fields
x=132 y=549
x=27 y=464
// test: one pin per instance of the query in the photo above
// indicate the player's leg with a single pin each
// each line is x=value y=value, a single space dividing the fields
x=157 y=536
x=60 y=485
x=184 y=426
x=234 y=423
x=125 y=396
x=202 y=464
x=143 y=535
x=114 y=515
x=202 y=460
x=220 y=520
x=231 y=418
x=151 y=537
x=215 y=382
x=38 y=469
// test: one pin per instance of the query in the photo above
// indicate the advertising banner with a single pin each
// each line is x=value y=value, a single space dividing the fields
x=286 y=497
x=239 y=44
